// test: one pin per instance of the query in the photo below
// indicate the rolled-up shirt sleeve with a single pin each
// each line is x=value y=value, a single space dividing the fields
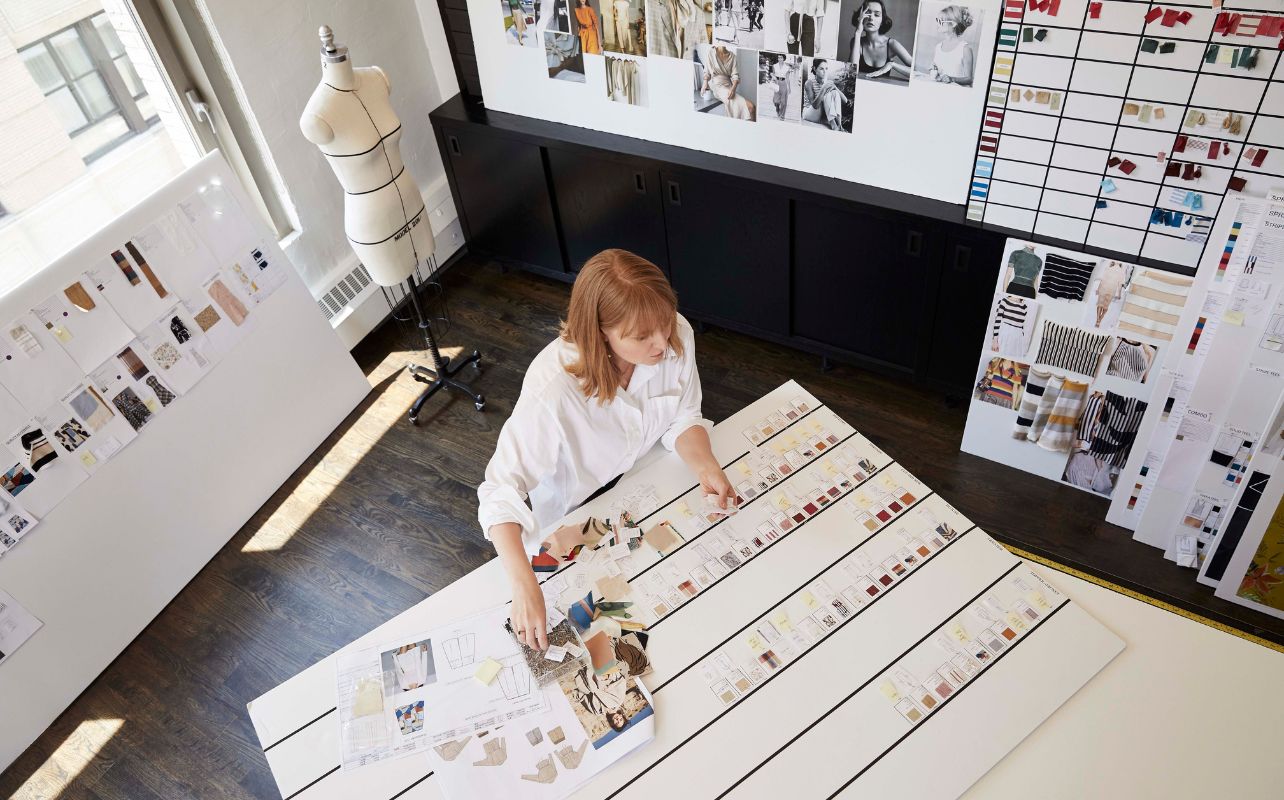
x=525 y=455
x=688 y=412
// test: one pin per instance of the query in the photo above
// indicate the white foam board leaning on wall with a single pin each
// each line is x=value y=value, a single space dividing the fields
x=116 y=550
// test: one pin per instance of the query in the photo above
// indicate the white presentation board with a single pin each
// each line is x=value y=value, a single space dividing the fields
x=910 y=134
x=865 y=631
x=1125 y=125
x=124 y=540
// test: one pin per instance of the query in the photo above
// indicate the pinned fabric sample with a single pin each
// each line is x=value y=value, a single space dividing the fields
x=663 y=538
x=1168 y=47
x=1101 y=203
x=1237 y=184
x=79 y=297
x=1041 y=34
x=368 y=698
x=1154 y=304
x=1094 y=10
x=1108 y=186
x=1062 y=415
x=1153 y=14
x=1126 y=167
x=1149 y=45
x=1073 y=349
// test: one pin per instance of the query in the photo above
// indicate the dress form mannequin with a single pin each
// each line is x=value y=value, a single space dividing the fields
x=351 y=119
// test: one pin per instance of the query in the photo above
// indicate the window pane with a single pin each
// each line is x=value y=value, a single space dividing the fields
x=66 y=109
x=129 y=75
x=71 y=51
x=147 y=107
x=110 y=40
x=94 y=94
x=95 y=140
x=42 y=67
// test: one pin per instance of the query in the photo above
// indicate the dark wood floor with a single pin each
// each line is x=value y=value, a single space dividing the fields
x=383 y=514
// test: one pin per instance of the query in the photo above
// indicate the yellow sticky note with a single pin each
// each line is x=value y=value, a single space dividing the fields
x=743 y=467
x=488 y=671
x=782 y=502
x=958 y=631
x=1234 y=317
x=756 y=643
x=889 y=691
x=684 y=509
x=62 y=334
x=1039 y=600
x=830 y=469
x=781 y=621
x=1015 y=621
x=810 y=601
x=88 y=459
x=152 y=405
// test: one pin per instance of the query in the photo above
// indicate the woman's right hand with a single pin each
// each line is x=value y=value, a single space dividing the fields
x=528 y=617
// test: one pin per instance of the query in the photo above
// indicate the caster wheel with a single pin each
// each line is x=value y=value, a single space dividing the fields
x=414 y=420
x=480 y=406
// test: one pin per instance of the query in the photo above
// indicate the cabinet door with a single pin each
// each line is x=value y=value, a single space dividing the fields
x=607 y=202
x=969 y=270
x=502 y=192
x=859 y=281
x=728 y=251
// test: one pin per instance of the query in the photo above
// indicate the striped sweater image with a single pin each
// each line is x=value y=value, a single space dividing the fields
x=1065 y=278
x=1154 y=304
x=1070 y=348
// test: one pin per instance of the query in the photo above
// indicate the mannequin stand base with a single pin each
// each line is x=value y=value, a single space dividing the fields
x=444 y=379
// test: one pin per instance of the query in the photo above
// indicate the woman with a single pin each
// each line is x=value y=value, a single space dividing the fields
x=876 y=53
x=953 y=60
x=804 y=19
x=781 y=73
x=586 y=17
x=822 y=100
x=620 y=25
x=620 y=377
x=519 y=19
x=722 y=78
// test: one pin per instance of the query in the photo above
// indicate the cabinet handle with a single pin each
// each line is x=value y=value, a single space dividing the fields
x=962 y=258
x=639 y=183
x=675 y=194
x=914 y=244
x=454 y=145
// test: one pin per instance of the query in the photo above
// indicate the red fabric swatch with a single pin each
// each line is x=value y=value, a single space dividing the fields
x=1126 y=167
x=1154 y=14
x=1094 y=10
x=1170 y=17
x=1180 y=145
x=1184 y=17
x=1236 y=184
x=1260 y=157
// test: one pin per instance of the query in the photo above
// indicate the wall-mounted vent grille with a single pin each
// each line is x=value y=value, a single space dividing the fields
x=345 y=292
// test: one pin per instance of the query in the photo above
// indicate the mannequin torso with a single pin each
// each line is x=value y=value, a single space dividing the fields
x=351 y=119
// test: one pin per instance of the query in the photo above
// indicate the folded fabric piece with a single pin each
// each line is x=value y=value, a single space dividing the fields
x=1144 y=115
x=1171 y=17
x=1179 y=145
x=1149 y=45
x=1094 y=10
x=1027 y=34
x=1101 y=203
x=1115 y=427
x=1108 y=186
x=1236 y=184
x=1036 y=385
x=1131 y=109
x=1173 y=169
x=1210 y=55
x=1042 y=98
x=1041 y=34
x=1114 y=161
x=1259 y=156
x=1072 y=349
x=1058 y=431
x=1168 y=47
x=1153 y=14
x=1126 y=167
x=1153 y=305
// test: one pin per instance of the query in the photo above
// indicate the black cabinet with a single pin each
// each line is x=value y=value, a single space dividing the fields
x=728 y=250
x=968 y=272
x=859 y=279
x=501 y=192
x=607 y=202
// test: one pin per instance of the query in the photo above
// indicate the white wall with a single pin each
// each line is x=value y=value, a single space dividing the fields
x=274 y=54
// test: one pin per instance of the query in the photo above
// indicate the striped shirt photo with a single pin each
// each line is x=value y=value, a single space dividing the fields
x=1154 y=304
x=1064 y=278
x=1071 y=349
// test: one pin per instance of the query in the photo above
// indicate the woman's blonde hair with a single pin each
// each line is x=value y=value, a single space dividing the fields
x=615 y=288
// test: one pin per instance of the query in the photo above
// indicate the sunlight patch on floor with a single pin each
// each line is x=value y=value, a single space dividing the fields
x=65 y=765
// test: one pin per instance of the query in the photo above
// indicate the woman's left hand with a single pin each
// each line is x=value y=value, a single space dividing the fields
x=714 y=481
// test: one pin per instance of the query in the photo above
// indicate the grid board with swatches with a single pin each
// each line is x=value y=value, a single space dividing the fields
x=847 y=621
x=1124 y=124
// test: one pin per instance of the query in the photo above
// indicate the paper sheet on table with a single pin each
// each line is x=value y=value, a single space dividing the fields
x=35 y=471
x=134 y=289
x=543 y=757
x=132 y=388
x=461 y=705
x=83 y=323
x=171 y=246
x=381 y=700
x=177 y=349
x=16 y=625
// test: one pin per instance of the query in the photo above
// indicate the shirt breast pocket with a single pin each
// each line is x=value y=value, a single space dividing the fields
x=658 y=414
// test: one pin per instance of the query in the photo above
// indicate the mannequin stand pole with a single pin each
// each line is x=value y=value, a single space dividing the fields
x=441 y=374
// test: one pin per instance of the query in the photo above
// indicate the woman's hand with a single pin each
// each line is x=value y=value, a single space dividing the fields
x=714 y=481
x=528 y=616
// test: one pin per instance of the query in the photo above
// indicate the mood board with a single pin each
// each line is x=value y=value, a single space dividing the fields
x=1124 y=124
x=847 y=623
x=886 y=93
x=139 y=483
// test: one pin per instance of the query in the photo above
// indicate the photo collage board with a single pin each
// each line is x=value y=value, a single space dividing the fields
x=86 y=371
x=1124 y=125
x=795 y=62
x=1073 y=351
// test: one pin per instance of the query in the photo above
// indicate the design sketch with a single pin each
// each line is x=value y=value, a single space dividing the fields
x=459 y=650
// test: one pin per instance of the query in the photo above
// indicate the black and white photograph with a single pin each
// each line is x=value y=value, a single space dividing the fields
x=565 y=61
x=519 y=22
x=828 y=93
x=624 y=27
x=948 y=40
x=554 y=15
x=803 y=27
x=626 y=80
x=740 y=23
x=676 y=27
x=878 y=37
x=725 y=81
x=780 y=87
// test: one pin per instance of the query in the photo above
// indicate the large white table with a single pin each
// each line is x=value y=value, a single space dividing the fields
x=1184 y=710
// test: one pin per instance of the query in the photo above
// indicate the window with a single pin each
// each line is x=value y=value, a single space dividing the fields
x=97 y=111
